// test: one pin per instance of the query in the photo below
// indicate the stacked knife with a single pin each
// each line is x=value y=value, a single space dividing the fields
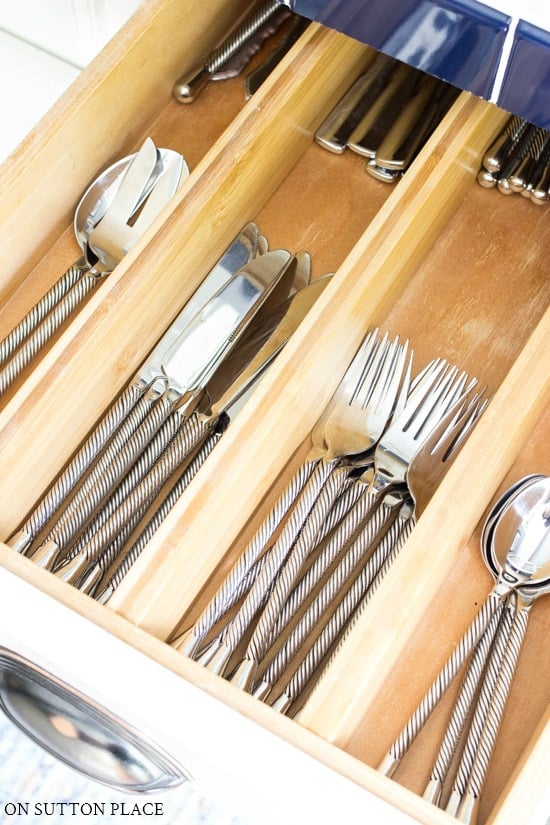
x=518 y=161
x=387 y=115
x=236 y=51
x=99 y=514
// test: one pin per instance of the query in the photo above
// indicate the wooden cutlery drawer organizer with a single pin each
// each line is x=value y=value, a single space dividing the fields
x=457 y=269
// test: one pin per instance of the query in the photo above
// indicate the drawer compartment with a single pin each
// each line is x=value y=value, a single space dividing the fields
x=458 y=270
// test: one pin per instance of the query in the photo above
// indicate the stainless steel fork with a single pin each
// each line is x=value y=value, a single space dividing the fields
x=379 y=540
x=340 y=433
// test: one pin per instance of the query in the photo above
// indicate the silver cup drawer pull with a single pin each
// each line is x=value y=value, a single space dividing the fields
x=81 y=733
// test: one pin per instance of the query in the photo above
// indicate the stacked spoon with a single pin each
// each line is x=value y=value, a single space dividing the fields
x=515 y=546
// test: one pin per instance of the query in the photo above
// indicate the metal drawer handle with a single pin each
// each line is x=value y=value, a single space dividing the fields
x=81 y=733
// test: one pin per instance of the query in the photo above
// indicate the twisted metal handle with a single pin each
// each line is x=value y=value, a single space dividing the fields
x=128 y=497
x=258 y=592
x=173 y=443
x=463 y=704
x=112 y=464
x=130 y=401
x=131 y=555
x=238 y=38
x=41 y=309
x=332 y=487
x=347 y=503
x=216 y=608
x=310 y=620
x=489 y=711
x=45 y=330
x=439 y=686
x=352 y=602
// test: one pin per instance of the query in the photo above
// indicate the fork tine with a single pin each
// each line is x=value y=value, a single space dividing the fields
x=406 y=387
x=450 y=387
x=362 y=359
x=421 y=391
x=366 y=365
x=384 y=393
x=440 y=448
x=468 y=419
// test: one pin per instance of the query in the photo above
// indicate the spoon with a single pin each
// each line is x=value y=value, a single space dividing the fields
x=473 y=675
x=524 y=528
x=524 y=564
x=92 y=207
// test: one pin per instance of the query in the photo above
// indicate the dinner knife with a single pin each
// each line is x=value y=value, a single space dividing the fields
x=131 y=407
x=226 y=393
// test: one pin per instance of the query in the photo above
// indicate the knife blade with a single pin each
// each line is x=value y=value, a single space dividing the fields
x=135 y=180
x=267 y=336
x=215 y=330
x=239 y=253
x=227 y=391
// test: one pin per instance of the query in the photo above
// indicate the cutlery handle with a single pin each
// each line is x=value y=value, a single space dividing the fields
x=350 y=509
x=131 y=400
x=217 y=605
x=386 y=545
x=498 y=151
x=260 y=589
x=42 y=308
x=256 y=77
x=45 y=330
x=129 y=556
x=333 y=586
x=440 y=684
x=459 y=715
x=333 y=485
x=110 y=467
x=188 y=87
x=123 y=509
x=337 y=128
x=489 y=711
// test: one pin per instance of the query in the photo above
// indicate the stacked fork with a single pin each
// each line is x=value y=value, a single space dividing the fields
x=332 y=535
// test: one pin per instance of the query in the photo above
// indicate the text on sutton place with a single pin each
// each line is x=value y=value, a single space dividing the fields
x=83 y=808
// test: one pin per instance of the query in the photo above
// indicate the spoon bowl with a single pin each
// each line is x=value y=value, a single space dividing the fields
x=101 y=192
x=516 y=542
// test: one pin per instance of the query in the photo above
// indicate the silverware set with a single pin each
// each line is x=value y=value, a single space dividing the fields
x=515 y=546
x=518 y=161
x=134 y=189
x=100 y=513
x=376 y=455
x=233 y=55
x=386 y=116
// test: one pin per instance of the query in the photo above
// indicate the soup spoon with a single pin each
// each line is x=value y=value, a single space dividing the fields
x=526 y=564
x=529 y=550
x=472 y=677
x=54 y=307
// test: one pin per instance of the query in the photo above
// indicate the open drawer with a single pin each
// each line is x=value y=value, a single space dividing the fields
x=457 y=269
